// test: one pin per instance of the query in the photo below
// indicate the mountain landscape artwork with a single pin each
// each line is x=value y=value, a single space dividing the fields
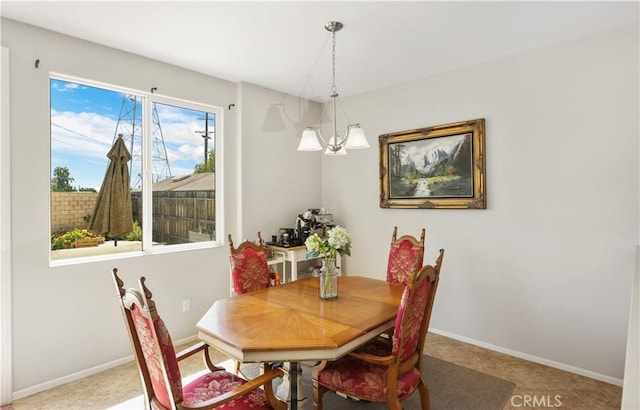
x=433 y=167
x=436 y=167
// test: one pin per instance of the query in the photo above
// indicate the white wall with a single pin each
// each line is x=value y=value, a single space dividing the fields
x=5 y=236
x=631 y=385
x=66 y=319
x=545 y=270
x=277 y=182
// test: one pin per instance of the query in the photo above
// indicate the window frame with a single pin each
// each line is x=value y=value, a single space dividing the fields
x=148 y=99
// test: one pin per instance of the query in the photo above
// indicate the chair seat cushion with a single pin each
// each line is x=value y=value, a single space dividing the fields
x=367 y=381
x=213 y=384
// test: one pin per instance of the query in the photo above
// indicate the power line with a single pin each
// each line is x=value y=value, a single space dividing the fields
x=77 y=133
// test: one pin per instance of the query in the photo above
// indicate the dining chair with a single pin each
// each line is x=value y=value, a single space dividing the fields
x=249 y=267
x=388 y=370
x=249 y=270
x=405 y=256
x=159 y=370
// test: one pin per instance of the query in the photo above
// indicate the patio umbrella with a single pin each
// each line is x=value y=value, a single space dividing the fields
x=113 y=215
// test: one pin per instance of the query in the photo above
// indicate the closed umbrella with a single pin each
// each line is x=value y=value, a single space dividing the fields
x=113 y=215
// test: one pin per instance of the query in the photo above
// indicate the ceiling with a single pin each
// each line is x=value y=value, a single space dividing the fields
x=284 y=46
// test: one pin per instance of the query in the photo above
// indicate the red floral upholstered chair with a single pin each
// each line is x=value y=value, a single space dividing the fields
x=160 y=374
x=249 y=268
x=386 y=370
x=405 y=256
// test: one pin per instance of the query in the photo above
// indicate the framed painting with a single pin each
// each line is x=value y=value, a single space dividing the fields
x=434 y=167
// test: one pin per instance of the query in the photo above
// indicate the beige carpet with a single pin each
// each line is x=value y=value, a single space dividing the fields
x=119 y=388
x=451 y=387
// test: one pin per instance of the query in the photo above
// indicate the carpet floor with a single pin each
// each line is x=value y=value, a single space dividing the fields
x=450 y=386
x=119 y=388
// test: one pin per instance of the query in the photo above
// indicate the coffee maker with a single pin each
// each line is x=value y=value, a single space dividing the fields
x=303 y=227
x=313 y=221
x=323 y=222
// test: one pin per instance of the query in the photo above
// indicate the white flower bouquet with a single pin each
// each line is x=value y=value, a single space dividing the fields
x=338 y=241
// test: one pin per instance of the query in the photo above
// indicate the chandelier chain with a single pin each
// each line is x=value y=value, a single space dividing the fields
x=334 y=89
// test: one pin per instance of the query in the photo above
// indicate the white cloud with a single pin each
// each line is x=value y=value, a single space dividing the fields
x=88 y=137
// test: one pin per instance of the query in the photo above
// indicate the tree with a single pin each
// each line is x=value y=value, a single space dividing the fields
x=395 y=160
x=209 y=166
x=61 y=181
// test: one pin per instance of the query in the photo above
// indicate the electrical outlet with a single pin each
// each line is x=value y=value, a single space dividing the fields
x=186 y=305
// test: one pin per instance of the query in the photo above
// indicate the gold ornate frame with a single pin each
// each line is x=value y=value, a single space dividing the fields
x=461 y=170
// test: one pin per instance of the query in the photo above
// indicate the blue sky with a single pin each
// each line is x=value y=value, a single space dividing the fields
x=84 y=121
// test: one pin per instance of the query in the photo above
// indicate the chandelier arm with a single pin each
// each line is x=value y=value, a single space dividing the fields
x=319 y=134
x=346 y=133
x=345 y=114
x=324 y=112
x=317 y=126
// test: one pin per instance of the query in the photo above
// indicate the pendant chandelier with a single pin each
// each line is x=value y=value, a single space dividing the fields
x=354 y=136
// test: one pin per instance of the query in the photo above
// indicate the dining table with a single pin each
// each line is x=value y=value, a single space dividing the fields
x=291 y=323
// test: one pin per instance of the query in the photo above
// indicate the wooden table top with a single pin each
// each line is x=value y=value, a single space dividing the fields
x=291 y=323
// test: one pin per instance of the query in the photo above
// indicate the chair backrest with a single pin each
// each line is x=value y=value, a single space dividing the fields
x=152 y=346
x=405 y=256
x=249 y=268
x=414 y=314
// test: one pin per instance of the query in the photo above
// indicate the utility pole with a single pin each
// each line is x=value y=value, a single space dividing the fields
x=205 y=135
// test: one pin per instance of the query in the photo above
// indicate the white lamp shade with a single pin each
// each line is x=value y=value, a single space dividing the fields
x=332 y=142
x=309 y=140
x=356 y=138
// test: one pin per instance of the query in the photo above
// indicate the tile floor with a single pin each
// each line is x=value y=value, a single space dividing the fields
x=119 y=388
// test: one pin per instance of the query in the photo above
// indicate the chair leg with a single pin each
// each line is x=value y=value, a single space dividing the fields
x=273 y=401
x=394 y=403
x=425 y=398
x=318 y=391
x=238 y=370
x=208 y=362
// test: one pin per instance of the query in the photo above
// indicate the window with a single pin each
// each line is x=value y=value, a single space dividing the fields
x=171 y=170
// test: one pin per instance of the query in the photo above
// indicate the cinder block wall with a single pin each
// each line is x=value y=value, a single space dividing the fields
x=69 y=208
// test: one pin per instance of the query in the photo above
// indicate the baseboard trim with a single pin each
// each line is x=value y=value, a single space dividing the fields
x=531 y=358
x=97 y=369
x=82 y=374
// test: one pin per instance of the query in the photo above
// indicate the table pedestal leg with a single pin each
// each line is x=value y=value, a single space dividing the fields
x=292 y=383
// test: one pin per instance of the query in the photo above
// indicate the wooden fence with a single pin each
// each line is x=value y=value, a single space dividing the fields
x=179 y=216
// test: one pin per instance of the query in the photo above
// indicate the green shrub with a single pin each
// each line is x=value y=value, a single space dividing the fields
x=136 y=234
x=68 y=239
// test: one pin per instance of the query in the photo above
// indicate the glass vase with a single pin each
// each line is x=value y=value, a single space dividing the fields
x=328 y=278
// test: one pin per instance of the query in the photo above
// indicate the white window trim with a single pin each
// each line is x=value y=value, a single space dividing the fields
x=148 y=99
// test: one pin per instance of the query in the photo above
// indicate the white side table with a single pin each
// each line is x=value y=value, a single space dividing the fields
x=294 y=255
